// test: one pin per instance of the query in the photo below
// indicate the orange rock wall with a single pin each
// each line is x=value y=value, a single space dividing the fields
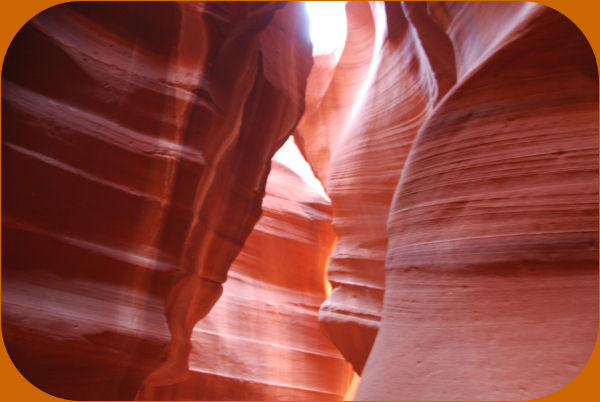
x=136 y=142
x=261 y=340
x=492 y=263
x=457 y=143
x=465 y=189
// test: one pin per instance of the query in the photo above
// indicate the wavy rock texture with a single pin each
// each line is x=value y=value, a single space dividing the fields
x=333 y=85
x=456 y=141
x=136 y=143
x=262 y=339
x=399 y=89
x=491 y=287
x=419 y=90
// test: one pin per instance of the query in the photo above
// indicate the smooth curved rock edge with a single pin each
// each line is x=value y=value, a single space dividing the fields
x=465 y=186
x=136 y=144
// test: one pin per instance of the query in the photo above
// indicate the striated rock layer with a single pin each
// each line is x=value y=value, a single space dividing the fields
x=468 y=168
x=492 y=263
x=136 y=143
x=399 y=89
x=491 y=242
x=457 y=143
x=262 y=340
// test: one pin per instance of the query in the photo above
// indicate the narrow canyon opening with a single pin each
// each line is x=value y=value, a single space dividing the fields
x=327 y=26
x=264 y=330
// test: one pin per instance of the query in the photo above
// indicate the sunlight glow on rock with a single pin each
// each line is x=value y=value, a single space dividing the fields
x=327 y=25
x=290 y=156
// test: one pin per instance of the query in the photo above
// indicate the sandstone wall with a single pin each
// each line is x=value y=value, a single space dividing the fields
x=136 y=143
x=464 y=187
x=261 y=340
x=457 y=144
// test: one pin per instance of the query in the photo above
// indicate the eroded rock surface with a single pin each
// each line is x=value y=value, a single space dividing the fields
x=469 y=171
x=398 y=90
x=492 y=264
x=456 y=141
x=262 y=340
x=136 y=142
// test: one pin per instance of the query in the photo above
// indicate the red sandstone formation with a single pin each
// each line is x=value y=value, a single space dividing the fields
x=498 y=192
x=332 y=88
x=456 y=141
x=492 y=264
x=401 y=90
x=136 y=141
x=429 y=50
x=262 y=337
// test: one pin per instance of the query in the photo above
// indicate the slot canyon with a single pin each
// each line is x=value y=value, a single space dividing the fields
x=200 y=204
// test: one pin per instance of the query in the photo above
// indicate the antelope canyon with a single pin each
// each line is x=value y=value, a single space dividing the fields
x=299 y=201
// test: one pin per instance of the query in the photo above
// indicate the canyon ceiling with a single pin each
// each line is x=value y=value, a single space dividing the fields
x=155 y=246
